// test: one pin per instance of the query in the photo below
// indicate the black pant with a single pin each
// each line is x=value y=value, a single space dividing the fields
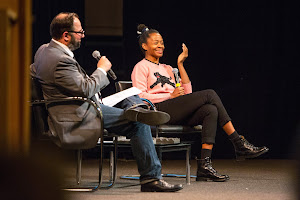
x=203 y=107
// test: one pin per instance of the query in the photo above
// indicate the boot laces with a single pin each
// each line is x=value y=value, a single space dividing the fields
x=208 y=164
x=248 y=144
x=211 y=168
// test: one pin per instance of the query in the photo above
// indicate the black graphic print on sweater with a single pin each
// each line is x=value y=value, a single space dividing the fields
x=162 y=79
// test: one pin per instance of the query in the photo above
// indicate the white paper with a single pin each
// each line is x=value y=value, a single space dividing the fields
x=116 y=98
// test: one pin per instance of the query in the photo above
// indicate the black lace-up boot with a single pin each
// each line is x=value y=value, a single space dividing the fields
x=244 y=149
x=206 y=172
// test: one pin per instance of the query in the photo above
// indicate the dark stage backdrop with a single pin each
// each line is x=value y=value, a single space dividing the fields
x=246 y=51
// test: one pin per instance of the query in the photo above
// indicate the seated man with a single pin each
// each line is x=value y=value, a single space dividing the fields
x=61 y=76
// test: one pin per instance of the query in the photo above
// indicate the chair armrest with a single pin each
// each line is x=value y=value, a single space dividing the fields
x=72 y=99
x=69 y=99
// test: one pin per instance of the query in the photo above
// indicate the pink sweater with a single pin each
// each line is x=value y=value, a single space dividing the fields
x=156 y=82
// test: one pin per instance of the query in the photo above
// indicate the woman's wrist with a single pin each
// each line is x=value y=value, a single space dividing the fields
x=180 y=64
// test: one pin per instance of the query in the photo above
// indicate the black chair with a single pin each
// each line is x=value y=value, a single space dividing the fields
x=169 y=131
x=40 y=129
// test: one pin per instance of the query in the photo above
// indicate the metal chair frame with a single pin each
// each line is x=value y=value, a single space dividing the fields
x=113 y=157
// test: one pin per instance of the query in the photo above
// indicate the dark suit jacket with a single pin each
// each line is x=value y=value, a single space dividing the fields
x=61 y=76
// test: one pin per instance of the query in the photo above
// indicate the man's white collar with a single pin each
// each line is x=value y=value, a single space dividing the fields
x=65 y=48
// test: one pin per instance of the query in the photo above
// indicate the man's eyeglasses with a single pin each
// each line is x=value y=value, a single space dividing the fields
x=78 y=32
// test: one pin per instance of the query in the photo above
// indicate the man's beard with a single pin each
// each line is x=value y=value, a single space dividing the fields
x=74 y=44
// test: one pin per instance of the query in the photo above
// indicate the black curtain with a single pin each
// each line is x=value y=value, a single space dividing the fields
x=247 y=51
x=43 y=13
x=110 y=46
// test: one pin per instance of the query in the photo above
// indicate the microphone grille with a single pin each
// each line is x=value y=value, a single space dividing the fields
x=96 y=54
x=175 y=70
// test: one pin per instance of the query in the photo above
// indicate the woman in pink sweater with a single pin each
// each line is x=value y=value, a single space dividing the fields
x=157 y=83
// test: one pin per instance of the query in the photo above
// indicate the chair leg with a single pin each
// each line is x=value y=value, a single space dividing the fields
x=79 y=162
x=78 y=172
x=188 y=167
x=113 y=165
x=78 y=188
x=115 y=157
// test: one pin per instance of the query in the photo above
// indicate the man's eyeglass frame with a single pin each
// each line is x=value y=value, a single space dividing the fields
x=78 y=32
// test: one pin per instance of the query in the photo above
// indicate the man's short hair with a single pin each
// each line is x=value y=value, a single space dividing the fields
x=61 y=23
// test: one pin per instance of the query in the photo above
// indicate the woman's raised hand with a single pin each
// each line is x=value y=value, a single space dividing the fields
x=183 y=55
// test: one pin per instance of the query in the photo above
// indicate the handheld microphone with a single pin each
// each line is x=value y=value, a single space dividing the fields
x=96 y=54
x=175 y=72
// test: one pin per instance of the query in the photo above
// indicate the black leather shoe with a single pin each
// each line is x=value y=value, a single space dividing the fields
x=145 y=116
x=244 y=149
x=206 y=172
x=160 y=186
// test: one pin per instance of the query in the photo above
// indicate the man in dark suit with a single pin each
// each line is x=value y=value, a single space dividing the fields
x=61 y=76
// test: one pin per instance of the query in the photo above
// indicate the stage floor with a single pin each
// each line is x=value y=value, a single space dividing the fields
x=250 y=179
